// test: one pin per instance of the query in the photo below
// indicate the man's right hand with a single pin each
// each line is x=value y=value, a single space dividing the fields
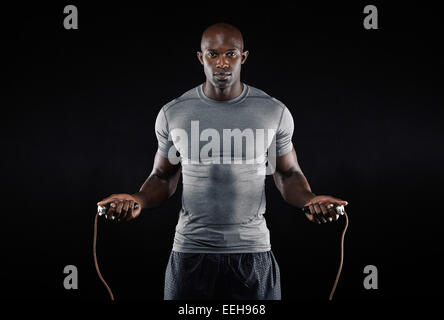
x=121 y=206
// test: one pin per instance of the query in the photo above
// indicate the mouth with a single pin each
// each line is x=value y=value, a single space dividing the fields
x=222 y=76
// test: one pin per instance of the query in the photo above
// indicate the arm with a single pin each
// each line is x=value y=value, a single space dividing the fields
x=290 y=180
x=296 y=190
x=158 y=187
x=161 y=183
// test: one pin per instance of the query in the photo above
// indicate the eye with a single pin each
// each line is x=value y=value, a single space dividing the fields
x=211 y=54
x=231 y=54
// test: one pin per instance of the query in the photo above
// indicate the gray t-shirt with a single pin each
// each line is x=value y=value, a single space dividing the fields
x=225 y=148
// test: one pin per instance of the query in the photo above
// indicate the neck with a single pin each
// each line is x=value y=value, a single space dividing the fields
x=221 y=94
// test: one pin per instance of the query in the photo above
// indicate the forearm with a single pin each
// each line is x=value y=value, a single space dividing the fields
x=156 y=190
x=294 y=188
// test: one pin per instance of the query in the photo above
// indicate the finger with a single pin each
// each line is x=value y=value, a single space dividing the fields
x=111 y=211
x=105 y=201
x=338 y=201
x=325 y=212
x=331 y=211
x=319 y=214
x=129 y=214
x=310 y=217
x=119 y=208
x=313 y=218
x=312 y=209
x=319 y=218
x=124 y=212
x=317 y=208
x=121 y=214
x=313 y=213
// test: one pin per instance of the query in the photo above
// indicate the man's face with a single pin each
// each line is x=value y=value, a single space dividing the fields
x=222 y=58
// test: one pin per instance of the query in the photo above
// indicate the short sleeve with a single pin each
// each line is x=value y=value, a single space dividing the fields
x=284 y=133
x=164 y=144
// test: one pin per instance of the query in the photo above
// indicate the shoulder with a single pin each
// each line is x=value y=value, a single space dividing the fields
x=189 y=95
x=255 y=93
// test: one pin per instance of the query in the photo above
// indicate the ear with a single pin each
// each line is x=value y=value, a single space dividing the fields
x=200 y=57
x=244 y=56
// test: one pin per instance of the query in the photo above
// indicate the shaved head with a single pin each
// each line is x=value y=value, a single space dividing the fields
x=222 y=33
x=222 y=54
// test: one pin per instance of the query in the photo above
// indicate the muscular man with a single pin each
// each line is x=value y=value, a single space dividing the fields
x=223 y=136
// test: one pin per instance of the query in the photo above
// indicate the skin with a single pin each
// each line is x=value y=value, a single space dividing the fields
x=222 y=55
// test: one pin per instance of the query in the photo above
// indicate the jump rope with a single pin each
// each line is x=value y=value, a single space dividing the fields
x=101 y=210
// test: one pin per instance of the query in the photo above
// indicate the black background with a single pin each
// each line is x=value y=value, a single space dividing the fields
x=78 y=118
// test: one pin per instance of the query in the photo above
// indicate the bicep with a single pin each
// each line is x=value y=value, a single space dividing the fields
x=164 y=168
x=287 y=163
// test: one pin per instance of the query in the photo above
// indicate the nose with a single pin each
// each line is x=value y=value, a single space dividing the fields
x=221 y=62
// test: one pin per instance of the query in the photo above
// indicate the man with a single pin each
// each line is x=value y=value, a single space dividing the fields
x=222 y=246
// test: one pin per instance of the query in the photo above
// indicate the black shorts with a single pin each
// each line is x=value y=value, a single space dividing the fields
x=230 y=276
